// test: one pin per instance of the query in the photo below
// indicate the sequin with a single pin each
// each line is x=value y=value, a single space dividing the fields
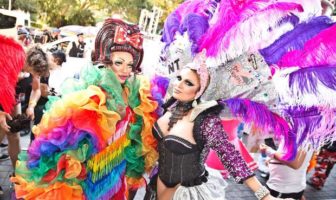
x=215 y=138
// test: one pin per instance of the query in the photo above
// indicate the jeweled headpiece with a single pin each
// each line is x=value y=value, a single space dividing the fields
x=199 y=65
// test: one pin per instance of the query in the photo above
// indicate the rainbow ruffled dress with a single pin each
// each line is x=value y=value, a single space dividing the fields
x=90 y=144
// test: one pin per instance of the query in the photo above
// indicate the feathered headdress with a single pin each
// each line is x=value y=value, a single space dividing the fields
x=295 y=39
x=247 y=26
x=12 y=58
x=319 y=50
x=199 y=64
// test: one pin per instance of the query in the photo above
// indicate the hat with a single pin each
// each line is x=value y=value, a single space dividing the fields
x=117 y=35
x=78 y=34
x=56 y=30
x=22 y=31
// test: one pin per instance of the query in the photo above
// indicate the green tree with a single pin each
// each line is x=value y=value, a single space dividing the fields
x=168 y=6
x=128 y=9
x=64 y=12
x=30 y=6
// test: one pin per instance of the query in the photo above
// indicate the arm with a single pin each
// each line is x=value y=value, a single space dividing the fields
x=295 y=164
x=34 y=96
x=44 y=88
x=214 y=136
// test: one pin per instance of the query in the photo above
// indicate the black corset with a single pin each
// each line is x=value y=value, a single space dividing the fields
x=179 y=161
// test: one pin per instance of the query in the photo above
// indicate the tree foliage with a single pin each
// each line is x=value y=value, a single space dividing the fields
x=64 y=12
x=31 y=7
x=128 y=9
x=85 y=12
x=167 y=6
x=58 y=13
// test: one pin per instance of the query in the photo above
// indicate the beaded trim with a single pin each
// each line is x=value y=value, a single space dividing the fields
x=261 y=193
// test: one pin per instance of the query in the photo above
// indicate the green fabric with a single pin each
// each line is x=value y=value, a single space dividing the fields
x=112 y=86
x=51 y=101
x=135 y=161
x=106 y=79
x=82 y=153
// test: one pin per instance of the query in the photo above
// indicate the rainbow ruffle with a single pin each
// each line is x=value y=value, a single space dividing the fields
x=90 y=144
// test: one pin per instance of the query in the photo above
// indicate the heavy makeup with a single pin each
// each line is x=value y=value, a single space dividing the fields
x=122 y=65
x=186 y=85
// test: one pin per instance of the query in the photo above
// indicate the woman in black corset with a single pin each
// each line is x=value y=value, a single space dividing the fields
x=185 y=134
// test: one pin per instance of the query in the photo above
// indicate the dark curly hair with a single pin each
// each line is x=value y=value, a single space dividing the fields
x=38 y=60
x=59 y=57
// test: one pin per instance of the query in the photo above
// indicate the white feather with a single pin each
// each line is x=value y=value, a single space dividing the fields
x=251 y=35
x=293 y=96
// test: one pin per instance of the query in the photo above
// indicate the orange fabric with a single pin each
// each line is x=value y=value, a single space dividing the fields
x=29 y=191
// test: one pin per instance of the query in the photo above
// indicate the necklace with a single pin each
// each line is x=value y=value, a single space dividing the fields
x=180 y=110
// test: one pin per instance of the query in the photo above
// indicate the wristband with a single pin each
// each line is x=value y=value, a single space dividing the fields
x=270 y=152
x=32 y=103
x=262 y=192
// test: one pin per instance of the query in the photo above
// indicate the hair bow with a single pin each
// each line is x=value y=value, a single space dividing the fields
x=122 y=37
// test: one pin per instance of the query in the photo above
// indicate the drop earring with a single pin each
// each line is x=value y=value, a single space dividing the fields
x=194 y=103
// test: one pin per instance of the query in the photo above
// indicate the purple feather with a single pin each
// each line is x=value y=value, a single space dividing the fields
x=319 y=50
x=304 y=121
x=258 y=114
x=159 y=86
x=307 y=79
x=196 y=26
x=295 y=39
x=175 y=19
x=312 y=125
x=232 y=13
x=292 y=19
x=170 y=27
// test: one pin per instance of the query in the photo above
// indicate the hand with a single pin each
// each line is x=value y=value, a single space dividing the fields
x=266 y=150
x=30 y=112
x=263 y=148
x=3 y=123
x=267 y=161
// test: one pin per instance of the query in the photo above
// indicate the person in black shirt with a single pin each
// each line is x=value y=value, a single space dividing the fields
x=51 y=36
x=77 y=49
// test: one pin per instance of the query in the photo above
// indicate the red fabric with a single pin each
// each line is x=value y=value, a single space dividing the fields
x=52 y=174
x=121 y=193
x=121 y=37
x=11 y=63
x=87 y=120
x=82 y=174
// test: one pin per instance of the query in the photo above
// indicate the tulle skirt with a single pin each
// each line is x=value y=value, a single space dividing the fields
x=213 y=189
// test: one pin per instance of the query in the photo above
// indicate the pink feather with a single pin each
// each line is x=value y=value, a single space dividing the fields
x=320 y=50
x=231 y=14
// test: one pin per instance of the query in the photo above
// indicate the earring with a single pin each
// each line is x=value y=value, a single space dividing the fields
x=194 y=103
